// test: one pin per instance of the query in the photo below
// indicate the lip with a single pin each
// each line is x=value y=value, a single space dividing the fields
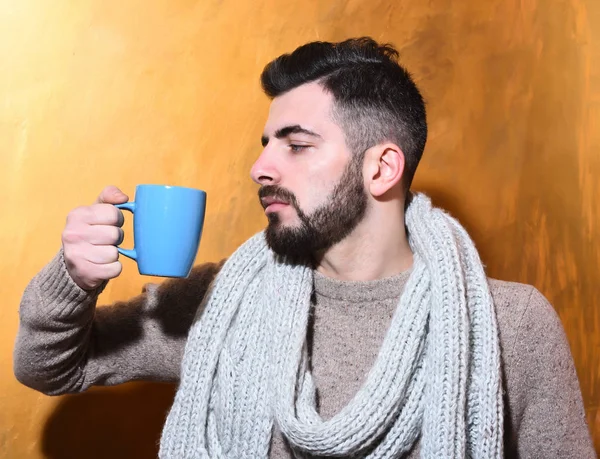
x=273 y=204
x=268 y=200
x=274 y=207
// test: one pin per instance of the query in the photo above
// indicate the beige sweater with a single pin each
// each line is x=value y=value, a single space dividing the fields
x=65 y=344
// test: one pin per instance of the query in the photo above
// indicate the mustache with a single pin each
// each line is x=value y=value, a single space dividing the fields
x=277 y=192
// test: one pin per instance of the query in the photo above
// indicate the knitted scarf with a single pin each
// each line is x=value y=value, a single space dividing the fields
x=437 y=375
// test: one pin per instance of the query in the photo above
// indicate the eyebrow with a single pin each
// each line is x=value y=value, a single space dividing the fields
x=286 y=131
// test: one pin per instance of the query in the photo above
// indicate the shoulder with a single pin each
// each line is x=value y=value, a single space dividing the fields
x=523 y=314
x=545 y=412
x=532 y=338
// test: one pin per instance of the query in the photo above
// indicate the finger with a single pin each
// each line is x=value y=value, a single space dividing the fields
x=109 y=270
x=103 y=235
x=105 y=214
x=92 y=275
x=101 y=254
x=112 y=195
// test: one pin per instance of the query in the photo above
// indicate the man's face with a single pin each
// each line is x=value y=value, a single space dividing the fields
x=311 y=185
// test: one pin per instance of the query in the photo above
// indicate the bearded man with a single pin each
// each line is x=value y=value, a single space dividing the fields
x=360 y=323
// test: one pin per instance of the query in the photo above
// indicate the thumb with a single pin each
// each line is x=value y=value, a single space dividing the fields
x=112 y=195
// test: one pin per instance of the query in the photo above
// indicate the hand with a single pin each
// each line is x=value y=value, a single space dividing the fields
x=90 y=238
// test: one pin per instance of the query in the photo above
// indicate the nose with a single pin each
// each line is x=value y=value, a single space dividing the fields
x=264 y=172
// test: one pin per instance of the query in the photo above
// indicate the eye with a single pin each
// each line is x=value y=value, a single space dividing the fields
x=297 y=148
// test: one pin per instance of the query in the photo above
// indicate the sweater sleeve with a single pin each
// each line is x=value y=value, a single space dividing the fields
x=66 y=344
x=551 y=419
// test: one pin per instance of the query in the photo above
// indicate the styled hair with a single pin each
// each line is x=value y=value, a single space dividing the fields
x=375 y=98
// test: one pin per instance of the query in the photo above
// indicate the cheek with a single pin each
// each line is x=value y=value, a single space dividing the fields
x=313 y=179
x=316 y=194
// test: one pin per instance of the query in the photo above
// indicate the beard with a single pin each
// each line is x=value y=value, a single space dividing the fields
x=324 y=227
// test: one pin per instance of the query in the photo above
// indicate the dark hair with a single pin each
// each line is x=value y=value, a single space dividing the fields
x=376 y=99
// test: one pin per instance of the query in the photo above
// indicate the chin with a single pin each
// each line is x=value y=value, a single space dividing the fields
x=279 y=219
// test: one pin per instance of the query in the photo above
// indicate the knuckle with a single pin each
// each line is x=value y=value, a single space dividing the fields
x=115 y=215
x=112 y=252
x=120 y=218
x=117 y=234
x=95 y=213
x=116 y=269
x=111 y=234
x=106 y=214
x=74 y=256
x=74 y=215
x=71 y=235
x=79 y=214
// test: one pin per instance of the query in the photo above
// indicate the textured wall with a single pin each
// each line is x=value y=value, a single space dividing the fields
x=98 y=92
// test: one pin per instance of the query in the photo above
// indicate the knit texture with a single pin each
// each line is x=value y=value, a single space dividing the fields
x=437 y=374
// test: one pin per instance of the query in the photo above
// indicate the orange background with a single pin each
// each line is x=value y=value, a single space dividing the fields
x=100 y=92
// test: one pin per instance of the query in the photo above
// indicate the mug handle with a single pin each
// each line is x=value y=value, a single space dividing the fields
x=130 y=206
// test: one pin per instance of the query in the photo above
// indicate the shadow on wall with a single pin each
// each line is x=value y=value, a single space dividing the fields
x=116 y=423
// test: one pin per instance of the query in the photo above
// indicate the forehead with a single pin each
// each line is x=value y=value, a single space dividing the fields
x=307 y=105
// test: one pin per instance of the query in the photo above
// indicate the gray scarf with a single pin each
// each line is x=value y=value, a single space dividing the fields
x=437 y=375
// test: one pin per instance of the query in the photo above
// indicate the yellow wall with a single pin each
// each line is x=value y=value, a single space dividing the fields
x=166 y=91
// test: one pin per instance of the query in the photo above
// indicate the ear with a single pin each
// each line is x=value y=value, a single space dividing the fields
x=383 y=168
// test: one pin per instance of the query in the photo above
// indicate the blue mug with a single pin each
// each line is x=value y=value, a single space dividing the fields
x=167 y=226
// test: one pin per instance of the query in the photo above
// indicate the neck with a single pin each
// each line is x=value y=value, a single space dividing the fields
x=377 y=248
